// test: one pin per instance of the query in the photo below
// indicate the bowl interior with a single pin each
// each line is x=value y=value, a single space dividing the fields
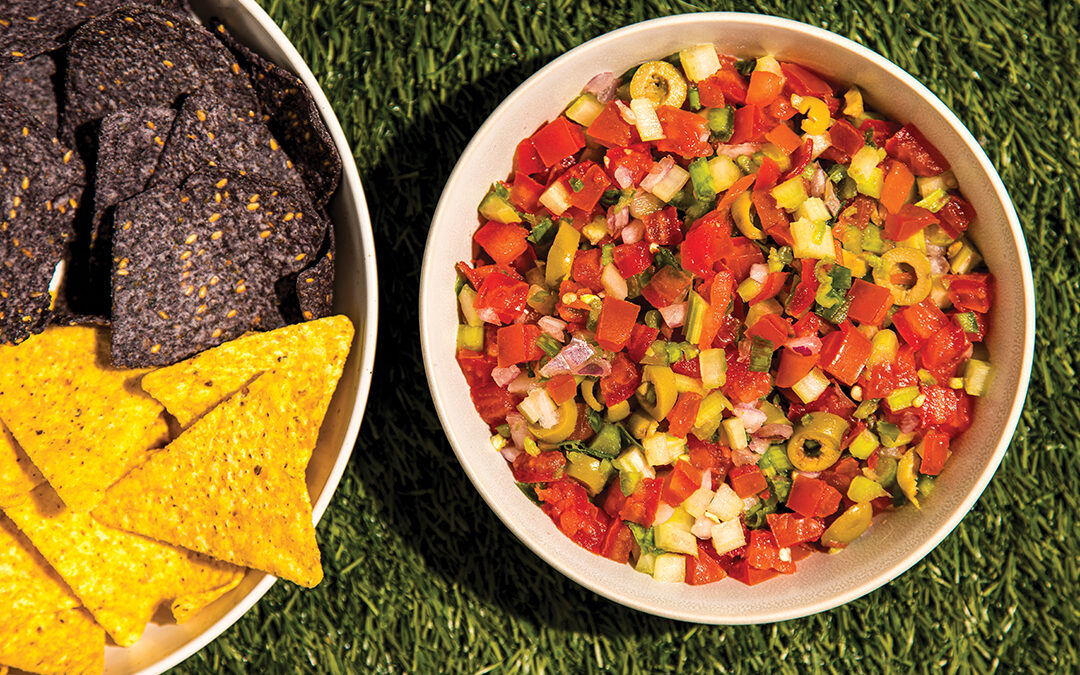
x=165 y=644
x=895 y=541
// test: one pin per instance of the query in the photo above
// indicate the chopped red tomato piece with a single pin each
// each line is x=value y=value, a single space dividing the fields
x=620 y=383
x=502 y=241
x=543 y=468
x=685 y=133
x=557 y=140
x=790 y=530
x=640 y=507
x=911 y=147
x=747 y=480
x=609 y=129
x=617 y=319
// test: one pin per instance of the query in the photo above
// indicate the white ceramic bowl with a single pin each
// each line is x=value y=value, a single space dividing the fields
x=355 y=295
x=896 y=541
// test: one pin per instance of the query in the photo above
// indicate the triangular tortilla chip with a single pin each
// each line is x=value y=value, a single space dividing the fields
x=232 y=486
x=18 y=475
x=190 y=388
x=27 y=583
x=64 y=642
x=82 y=422
x=120 y=577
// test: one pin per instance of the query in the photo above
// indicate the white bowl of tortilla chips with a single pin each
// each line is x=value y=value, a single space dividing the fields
x=107 y=497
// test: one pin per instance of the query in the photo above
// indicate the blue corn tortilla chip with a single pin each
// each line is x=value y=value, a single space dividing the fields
x=197 y=265
x=32 y=27
x=130 y=142
x=315 y=285
x=145 y=57
x=29 y=84
x=290 y=112
x=210 y=135
x=40 y=185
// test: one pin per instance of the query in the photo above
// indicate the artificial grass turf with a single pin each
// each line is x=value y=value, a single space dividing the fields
x=422 y=577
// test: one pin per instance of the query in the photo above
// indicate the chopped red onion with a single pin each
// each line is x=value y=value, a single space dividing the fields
x=774 y=431
x=569 y=359
x=758 y=445
x=759 y=272
x=597 y=367
x=909 y=422
x=488 y=315
x=504 y=376
x=623 y=177
x=808 y=474
x=633 y=232
x=617 y=220
x=818 y=144
x=663 y=513
x=804 y=346
x=657 y=173
x=706 y=479
x=737 y=150
x=674 y=314
x=744 y=456
x=510 y=452
x=556 y=328
x=625 y=112
x=938 y=264
x=817 y=183
x=519 y=429
x=934 y=249
x=751 y=417
x=832 y=202
x=602 y=86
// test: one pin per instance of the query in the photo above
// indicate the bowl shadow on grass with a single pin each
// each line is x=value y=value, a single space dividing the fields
x=403 y=457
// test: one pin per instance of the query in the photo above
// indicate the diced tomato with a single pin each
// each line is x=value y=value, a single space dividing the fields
x=685 y=133
x=763 y=553
x=517 y=344
x=733 y=192
x=525 y=192
x=802 y=296
x=502 y=241
x=747 y=480
x=908 y=221
x=742 y=385
x=751 y=123
x=794 y=367
x=799 y=161
x=870 y=303
x=525 y=158
x=771 y=327
x=561 y=388
x=708 y=456
x=833 y=400
x=880 y=130
x=935 y=450
x=812 y=497
x=857 y=213
x=839 y=475
x=688 y=367
x=503 y=295
x=716 y=316
x=476 y=367
x=612 y=499
x=724 y=85
x=663 y=227
x=680 y=483
x=640 y=507
x=897 y=186
x=781 y=110
x=641 y=336
x=979 y=334
x=557 y=140
x=918 y=322
x=702 y=244
x=844 y=353
x=743 y=255
x=586 y=526
x=543 y=468
x=784 y=138
x=791 y=530
x=666 y=287
x=805 y=82
x=947 y=409
x=956 y=215
x=846 y=141
x=704 y=568
x=618 y=542
x=767 y=176
x=683 y=414
x=616 y=320
x=880 y=380
x=764 y=88
x=774 y=283
x=609 y=129
x=810 y=324
x=970 y=292
x=631 y=259
x=911 y=147
x=620 y=383
x=742 y=571
x=586 y=269
x=944 y=351
x=586 y=183
x=636 y=161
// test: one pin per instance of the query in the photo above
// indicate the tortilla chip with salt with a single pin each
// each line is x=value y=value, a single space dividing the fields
x=81 y=421
x=18 y=475
x=191 y=388
x=232 y=486
x=27 y=583
x=120 y=577
x=65 y=642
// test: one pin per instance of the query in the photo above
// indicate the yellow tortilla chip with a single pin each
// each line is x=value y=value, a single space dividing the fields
x=232 y=486
x=27 y=583
x=18 y=475
x=120 y=577
x=53 y=642
x=190 y=388
x=81 y=421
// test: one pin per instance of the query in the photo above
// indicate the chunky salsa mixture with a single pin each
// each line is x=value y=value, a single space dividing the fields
x=721 y=314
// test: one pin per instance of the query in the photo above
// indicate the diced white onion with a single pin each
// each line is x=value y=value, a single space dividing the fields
x=759 y=272
x=751 y=417
x=737 y=150
x=631 y=234
x=614 y=284
x=539 y=409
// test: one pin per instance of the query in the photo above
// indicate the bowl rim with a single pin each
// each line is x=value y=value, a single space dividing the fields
x=364 y=341
x=428 y=333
